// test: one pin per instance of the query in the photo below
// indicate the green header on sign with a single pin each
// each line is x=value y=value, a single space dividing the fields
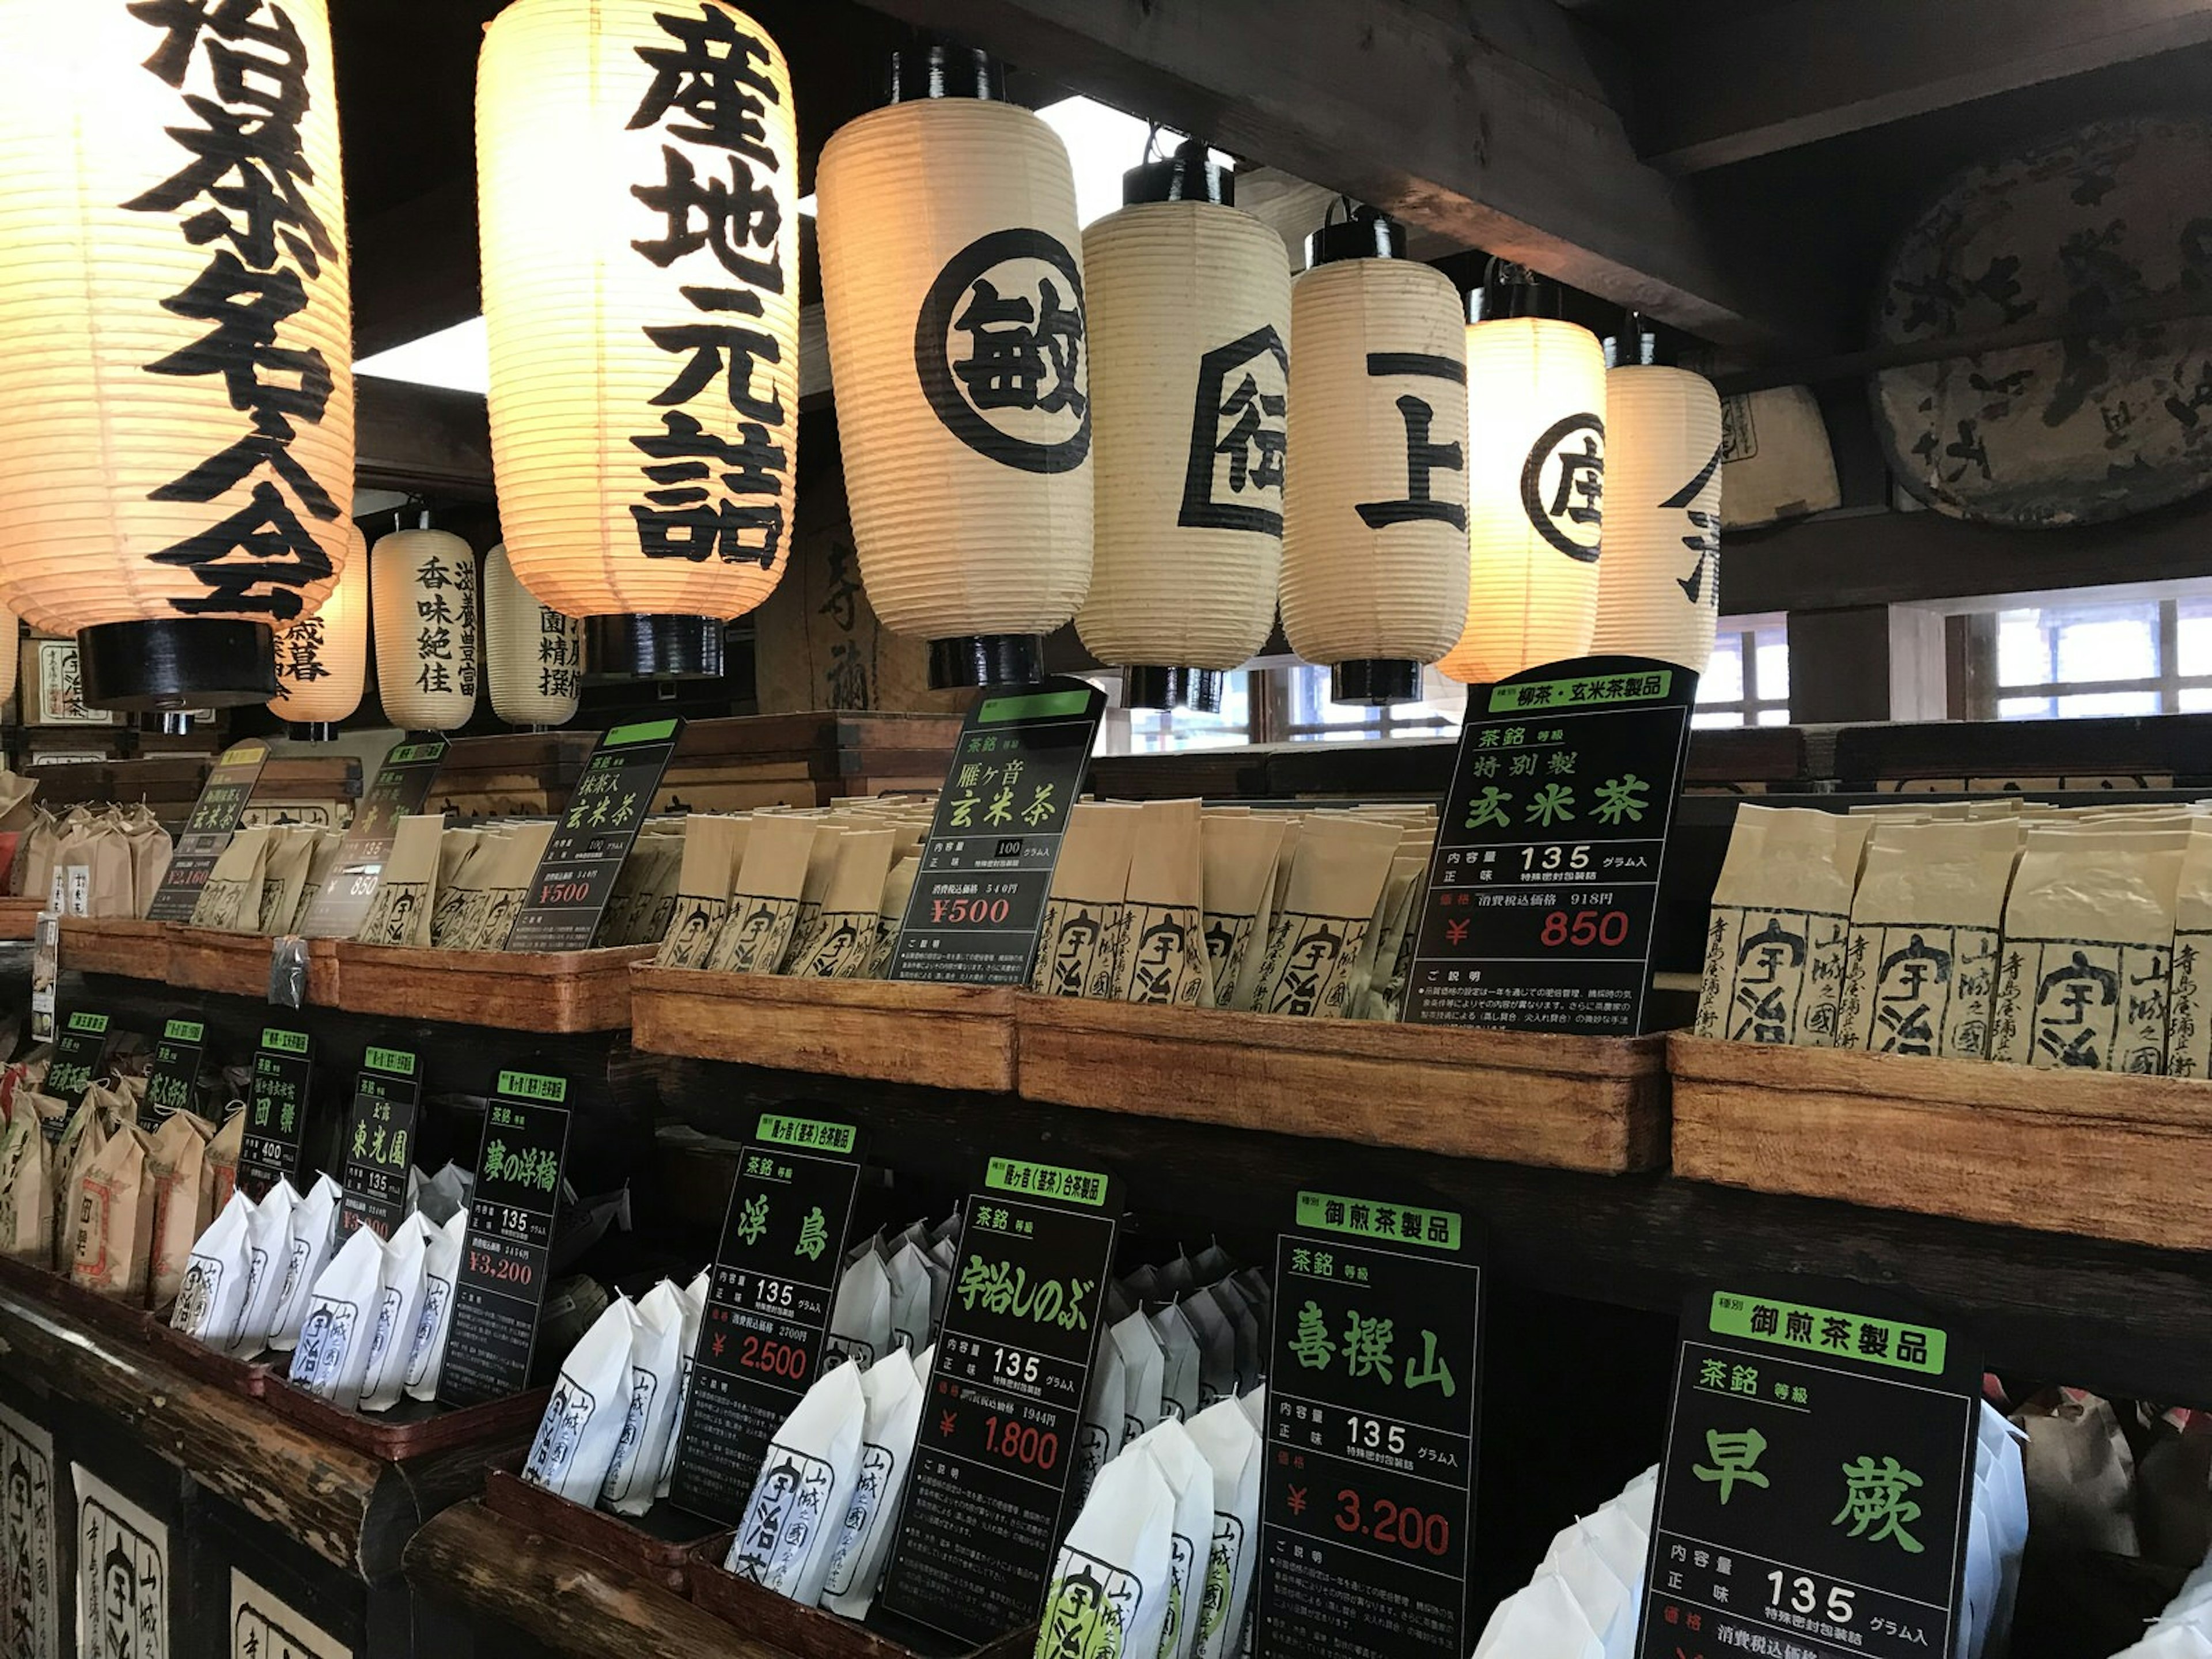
x=642 y=732
x=532 y=1085
x=408 y=753
x=244 y=754
x=1011 y=1175
x=1827 y=1331
x=398 y=1061
x=1605 y=690
x=806 y=1134
x=1379 y=1224
x=1039 y=705
x=284 y=1043
x=183 y=1030
x=95 y=1024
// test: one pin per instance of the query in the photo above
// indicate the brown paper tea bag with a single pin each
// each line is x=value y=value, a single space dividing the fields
x=1781 y=920
x=764 y=909
x=1922 y=965
x=1165 y=958
x=2084 y=968
x=86 y=1133
x=112 y=1244
x=522 y=849
x=32 y=876
x=1340 y=867
x=110 y=881
x=27 y=1192
x=1237 y=856
x=320 y=862
x=184 y=1199
x=407 y=894
x=1408 y=872
x=821 y=865
x=220 y=1158
x=891 y=914
x=461 y=886
x=15 y=808
x=1082 y=926
x=284 y=877
x=231 y=901
x=840 y=941
x=713 y=849
x=68 y=855
x=648 y=877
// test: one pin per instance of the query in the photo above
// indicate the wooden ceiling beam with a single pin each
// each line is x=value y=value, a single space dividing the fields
x=1796 y=74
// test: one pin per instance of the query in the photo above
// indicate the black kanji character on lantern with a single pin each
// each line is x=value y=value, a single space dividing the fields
x=1576 y=503
x=1254 y=448
x=1021 y=355
x=716 y=531
x=687 y=454
x=277 y=548
x=1423 y=457
x=722 y=348
x=732 y=218
x=1238 y=414
x=716 y=75
x=1705 y=536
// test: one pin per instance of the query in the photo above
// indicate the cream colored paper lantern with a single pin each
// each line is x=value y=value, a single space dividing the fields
x=1659 y=585
x=1190 y=316
x=425 y=589
x=536 y=654
x=954 y=292
x=176 y=381
x=322 y=660
x=1536 y=489
x=1375 y=513
x=637 y=166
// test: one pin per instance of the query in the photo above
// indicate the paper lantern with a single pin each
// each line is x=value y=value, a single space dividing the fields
x=637 y=168
x=954 y=295
x=176 y=381
x=1375 y=513
x=1659 y=585
x=535 y=654
x=424 y=584
x=1536 y=496
x=1190 y=308
x=322 y=660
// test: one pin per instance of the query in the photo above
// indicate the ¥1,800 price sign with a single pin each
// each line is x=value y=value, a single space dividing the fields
x=768 y=1306
x=277 y=1114
x=609 y=804
x=501 y=1285
x=1545 y=877
x=1818 y=1479
x=987 y=1501
x=1367 y=1497
x=380 y=1135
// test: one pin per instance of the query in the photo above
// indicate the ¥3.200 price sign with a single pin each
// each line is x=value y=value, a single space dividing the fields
x=501 y=1285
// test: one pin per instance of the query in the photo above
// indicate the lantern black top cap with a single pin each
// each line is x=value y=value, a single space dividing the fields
x=939 y=69
x=1191 y=174
x=1364 y=233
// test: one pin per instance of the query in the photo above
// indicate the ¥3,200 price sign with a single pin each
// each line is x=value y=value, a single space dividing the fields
x=500 y=1287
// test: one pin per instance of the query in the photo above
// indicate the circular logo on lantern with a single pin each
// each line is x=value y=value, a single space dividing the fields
x=1563 y=485
x=999 y=345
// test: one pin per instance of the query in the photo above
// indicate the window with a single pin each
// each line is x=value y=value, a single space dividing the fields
x=1308 y=716
x=1155 y=731
x=2079 y=656
x=1285 y=704
x=1748 y=681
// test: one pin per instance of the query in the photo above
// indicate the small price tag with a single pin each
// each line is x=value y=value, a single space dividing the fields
x=585 y=856
x=402 y=784
x=80 y=1056
x=276 y=1112
x=208 y=831
x=500 y=1287
x=380 y=1138
x=173 y=1079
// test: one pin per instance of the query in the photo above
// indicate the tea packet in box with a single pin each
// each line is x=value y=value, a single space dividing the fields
x=654 y=1360
x=860 y=1317
x=814 y=888
x=1164 y=957
x=82 y=1136
x=1179 y=1361
x=891 y=1391
x=27 y=1206
x=332 y=1355
x=111 y=882
x=426 y=1349
x=1142 y=1364
x=70 y=897
x=891 y=915
x=1776 y=945
x=837 y=942
x=507 y=884
x=713 y=850
x=1098 y=1428
x=220 y=1158
x=1225 y=1438
x=398 y=1306
x=461 y=892
x=406 y=894
x=764 y=909
x=908 y=1273
x=1190 y=1538
x=212 y=1296
x=1338 y=872
x=584 y=1418
x=1115 y=1573
x=687 y=1345
x=789 y=1529
x=1920 y=973
x=113 y=1248
x=150 y=849
x=1079 y=940
x=183 y=1198
x=231 y=901
x=313 y=1235
x=1542 y=1619
x=321 y=861
x=268 y=1252
x=284 y=878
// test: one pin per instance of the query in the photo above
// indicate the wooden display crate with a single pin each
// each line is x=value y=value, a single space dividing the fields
x=247 y=1377
x=1592 y=1103
x=18 y=917
x=2098 y=1153
x=410 y=1429
x=945 y=1037
x=208 y=960
x=115 y=945
x=811 y=1632
x=659 y=1547
x=558 y=991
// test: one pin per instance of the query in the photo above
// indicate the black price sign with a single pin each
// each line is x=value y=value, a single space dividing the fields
x=576 y=877
x=379 y=1136
x=173 y=1079
x=1545 y=874
x=986 y=867
x=208 y=831
x=401 y=785
x=1818 y=1480
x=500 y=1287
x=277 y=1113
x=1367 y=1498
x=80 y=1056
x=988 y=1500
x=768 y=1306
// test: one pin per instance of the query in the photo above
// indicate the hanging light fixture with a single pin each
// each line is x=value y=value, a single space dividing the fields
x=957 y=342
x=423 y=582
x=1375 y=511
x=1535 y=483
x=535 y=655
x=1659 y=587
x=176 y=382
x=637 y=166
x=322 y=660
x=1189 y=309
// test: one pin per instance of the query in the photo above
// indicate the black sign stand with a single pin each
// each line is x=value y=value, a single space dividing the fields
x=1374 y=1391
x=277 y=1113
x=173 y=1079
x=80 y=1056
x=1818 y=1479
x=501 y=1287
x=208 y=831
x=379 y=1136
x=990 y=1495
x=1541 y=889
x=768 y=1306
x=402 y=784
x=610 y=803
x=978 y=900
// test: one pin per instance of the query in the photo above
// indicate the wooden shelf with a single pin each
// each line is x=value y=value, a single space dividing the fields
x=562 y=991
x=120 y=945
x=18 y=917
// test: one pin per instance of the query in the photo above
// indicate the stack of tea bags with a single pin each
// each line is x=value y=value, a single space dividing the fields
x=892 y=1291
x=2184 y=1630
x=1585 y=1600
x=813 y=895
x=95 y=861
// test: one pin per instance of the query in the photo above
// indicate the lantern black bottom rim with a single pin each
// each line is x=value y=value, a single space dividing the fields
x=972 y=659
x=175 y=723
x=1376 y=682
x=170 y=663
x=1149 y=686
x=312 y=731
x=662 y=646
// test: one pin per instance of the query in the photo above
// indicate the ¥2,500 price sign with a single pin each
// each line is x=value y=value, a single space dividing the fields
x=1545 y=879
x=501 y=1285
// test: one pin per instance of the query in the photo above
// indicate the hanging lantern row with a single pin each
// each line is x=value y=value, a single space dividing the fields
x=533 y=655
x=425 y=604
x=322 y=660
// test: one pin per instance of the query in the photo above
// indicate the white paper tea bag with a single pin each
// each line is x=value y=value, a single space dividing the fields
x=1079 y=940
x=1179 y=1362
x=687 y=1344
x=584 y=1418
x=426 y=1349
x=1338 y=872
x=332 y=1352
x=1142 y=1363
x=1110 y=1583
x=1781 y=921
x=1610 y=1606
x=654 y=1357
x=909 y=1297
x=1230 y=1445
x=216 y=1278
x=268 y=1255
x=789 y=1529
x=1098 y=1428
x=892 y=1394
x=1921 y=971
x=1539 y=1622
x=860 y=1318
x=398 y=1308
x=1244 y=1324
x=1190 y=1477
x=1216 y=1346
x=314 y=1236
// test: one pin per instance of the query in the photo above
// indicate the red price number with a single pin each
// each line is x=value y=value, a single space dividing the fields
x=1580 y=929
x=564 y=892
x=500 y=1269
x=1021 y=1443
x=783 y=1359
x=952 y=913
x=1387 y=1522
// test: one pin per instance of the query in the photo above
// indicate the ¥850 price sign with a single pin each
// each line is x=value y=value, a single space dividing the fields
x=501 y=1285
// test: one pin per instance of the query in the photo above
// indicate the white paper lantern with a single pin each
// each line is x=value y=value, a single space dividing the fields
x=1536 y=492
x=176 y=381
x=1659 y=585
x=953 y=289
x=1375 y=514
x=424 y=583
x=1190 y=317
x=536 y=654
x=322 y=660
x=637 y=165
